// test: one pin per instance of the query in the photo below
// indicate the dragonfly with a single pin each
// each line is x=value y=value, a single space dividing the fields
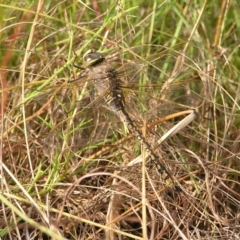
x=127 y=90
x=109 y=86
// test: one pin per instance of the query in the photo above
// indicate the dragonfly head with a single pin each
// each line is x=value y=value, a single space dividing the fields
x=92 y=58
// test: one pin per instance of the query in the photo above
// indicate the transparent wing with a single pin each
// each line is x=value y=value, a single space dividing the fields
x=71 y=112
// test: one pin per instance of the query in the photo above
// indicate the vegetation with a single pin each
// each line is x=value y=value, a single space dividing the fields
x=69 y=168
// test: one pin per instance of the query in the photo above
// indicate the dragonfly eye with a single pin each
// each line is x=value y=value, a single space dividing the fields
x=92 y=58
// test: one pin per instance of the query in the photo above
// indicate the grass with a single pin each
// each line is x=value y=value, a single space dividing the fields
x=68 y=167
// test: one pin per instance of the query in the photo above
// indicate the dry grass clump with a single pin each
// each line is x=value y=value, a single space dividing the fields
x=70 y=170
